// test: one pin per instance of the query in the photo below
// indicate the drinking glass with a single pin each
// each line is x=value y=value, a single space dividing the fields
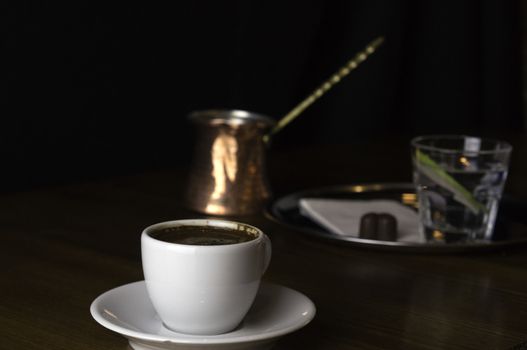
x=459 y=182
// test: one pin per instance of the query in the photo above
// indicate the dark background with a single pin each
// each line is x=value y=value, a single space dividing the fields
x=92 y=89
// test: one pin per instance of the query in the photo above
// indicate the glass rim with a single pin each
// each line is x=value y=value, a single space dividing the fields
x=506 y=147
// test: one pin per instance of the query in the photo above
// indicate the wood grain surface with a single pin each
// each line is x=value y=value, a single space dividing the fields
x=63 y=246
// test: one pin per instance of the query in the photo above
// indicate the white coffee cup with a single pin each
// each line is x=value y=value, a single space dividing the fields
x=203 y=289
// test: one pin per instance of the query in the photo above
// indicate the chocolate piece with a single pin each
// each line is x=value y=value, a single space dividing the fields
x=386 y=227
x=368 y=226
x=381 y=226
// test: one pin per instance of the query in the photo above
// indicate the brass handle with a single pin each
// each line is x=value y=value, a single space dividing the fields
x=325 y=86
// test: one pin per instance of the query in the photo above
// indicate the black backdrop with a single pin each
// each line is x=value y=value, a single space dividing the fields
x=91 y=89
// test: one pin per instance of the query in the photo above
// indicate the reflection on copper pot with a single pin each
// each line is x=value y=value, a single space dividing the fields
x=228 y=173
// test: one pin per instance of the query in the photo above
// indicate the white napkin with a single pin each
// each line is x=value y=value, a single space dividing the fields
x=342 y=216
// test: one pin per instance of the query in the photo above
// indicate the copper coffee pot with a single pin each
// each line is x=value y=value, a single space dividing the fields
x=228 y=173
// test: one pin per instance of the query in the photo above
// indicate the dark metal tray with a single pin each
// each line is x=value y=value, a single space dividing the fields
x=510 y=229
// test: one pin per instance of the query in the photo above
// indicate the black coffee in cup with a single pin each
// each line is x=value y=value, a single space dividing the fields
x=203 y=235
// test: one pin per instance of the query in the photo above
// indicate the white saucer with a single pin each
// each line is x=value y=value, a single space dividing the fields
x=276 y=311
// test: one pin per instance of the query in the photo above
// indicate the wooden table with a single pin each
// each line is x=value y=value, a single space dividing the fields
x=63 y=246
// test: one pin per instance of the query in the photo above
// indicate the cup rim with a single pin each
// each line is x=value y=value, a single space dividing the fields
x=200 y=222
x=505 y=147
